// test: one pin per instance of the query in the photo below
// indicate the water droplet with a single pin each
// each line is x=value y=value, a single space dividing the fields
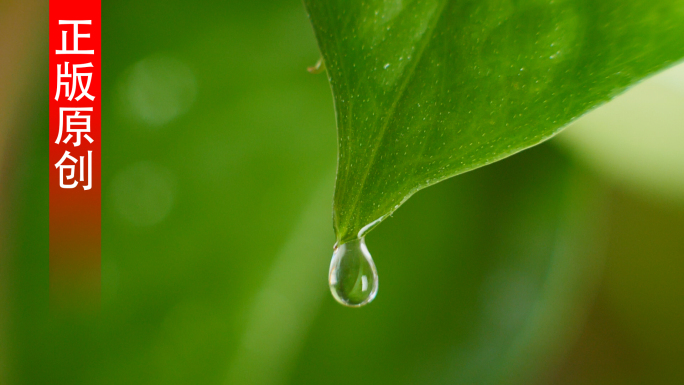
x=353 y=278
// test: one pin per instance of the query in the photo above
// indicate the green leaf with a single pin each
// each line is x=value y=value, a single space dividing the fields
x=425 y=90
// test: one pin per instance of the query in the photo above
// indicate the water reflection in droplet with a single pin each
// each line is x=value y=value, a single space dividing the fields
x=353 y=277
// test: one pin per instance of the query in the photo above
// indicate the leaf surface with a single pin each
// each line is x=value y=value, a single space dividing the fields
x=428 y=89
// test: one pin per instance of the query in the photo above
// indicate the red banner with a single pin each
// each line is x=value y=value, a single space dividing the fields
x=75 y=134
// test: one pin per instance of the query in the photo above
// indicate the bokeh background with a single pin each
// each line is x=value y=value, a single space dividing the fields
x=563 y=264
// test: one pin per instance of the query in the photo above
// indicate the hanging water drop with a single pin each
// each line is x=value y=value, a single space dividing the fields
x=353 y=278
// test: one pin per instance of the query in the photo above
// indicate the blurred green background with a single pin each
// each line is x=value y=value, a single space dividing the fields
x=561 y=265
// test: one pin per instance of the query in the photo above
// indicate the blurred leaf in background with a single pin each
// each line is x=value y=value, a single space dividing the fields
x=218 y=163
x=635 y=143
x=636 y=140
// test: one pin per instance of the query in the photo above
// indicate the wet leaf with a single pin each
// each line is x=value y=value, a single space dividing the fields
x=425 y=90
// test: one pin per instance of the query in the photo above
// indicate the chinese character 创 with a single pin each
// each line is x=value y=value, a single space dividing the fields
x=62 y=166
